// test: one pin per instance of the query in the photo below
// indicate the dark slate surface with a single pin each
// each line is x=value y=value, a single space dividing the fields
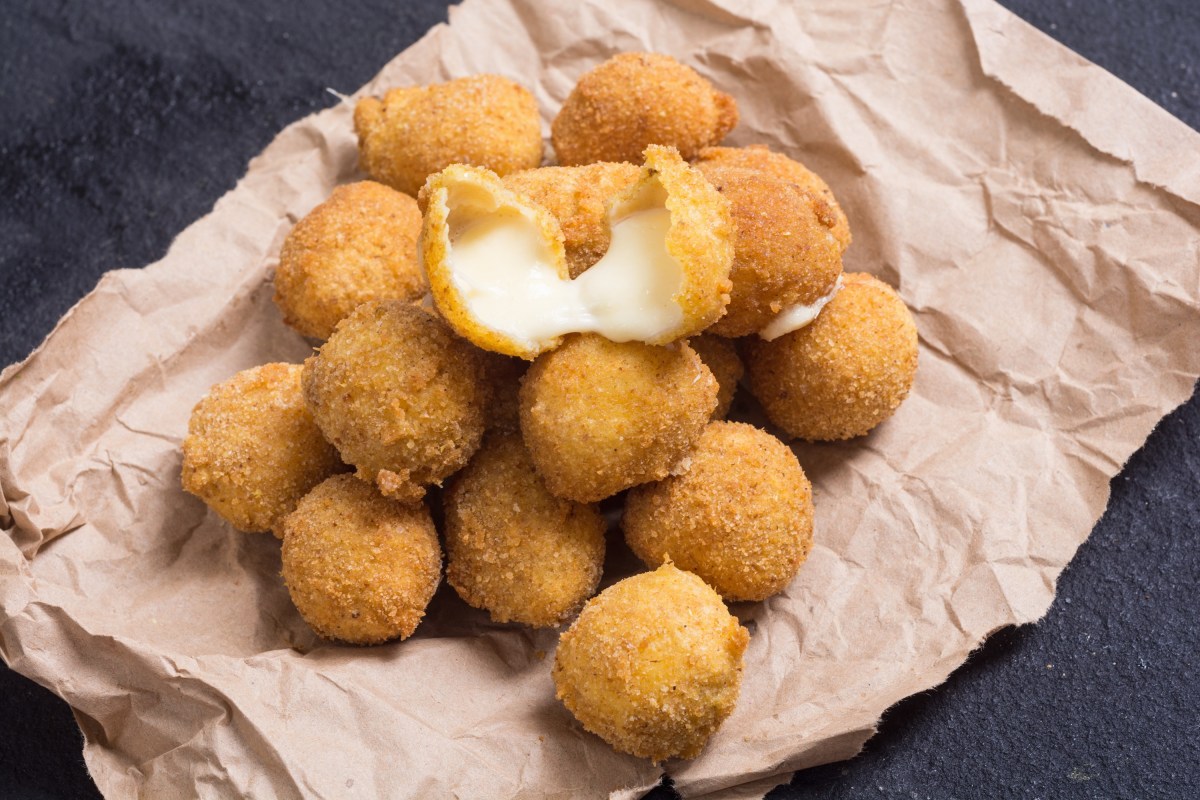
x=122 y=122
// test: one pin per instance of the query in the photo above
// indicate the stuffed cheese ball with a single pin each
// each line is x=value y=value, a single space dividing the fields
x=253 y=448
x=653 y=664
x=359 y=567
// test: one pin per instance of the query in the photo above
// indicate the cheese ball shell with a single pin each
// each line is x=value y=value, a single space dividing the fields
x=359 y=245
x=359 y=567
x=253 y=449
x=601 y=416
x=653 y=664
x=783 y=254
x=513 y=548
x=639 y=99
x=778 y=166
x=721 y=357
x=483 y=120
x=578 y=197
x=503 y=376
x=844 y=373
x=740 y=517
x=399 y=395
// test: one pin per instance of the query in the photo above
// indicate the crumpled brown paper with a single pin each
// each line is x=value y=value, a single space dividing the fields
x=1040 y=218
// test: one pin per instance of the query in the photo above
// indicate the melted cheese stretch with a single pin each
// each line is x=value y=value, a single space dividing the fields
x=797 y=316
x=504 y=271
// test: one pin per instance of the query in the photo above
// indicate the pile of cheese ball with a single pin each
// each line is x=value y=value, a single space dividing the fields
x=416 y=396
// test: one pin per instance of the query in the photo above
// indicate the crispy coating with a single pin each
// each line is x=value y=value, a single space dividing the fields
x=639 y=99
x=359 y=245
x=721 y=357
x=578 y=197
x=253 y=449
x=503 y=376
x=784 y=253
x=484 y=120
x=399 y=395
x=513 y=548
x=601 y=416
x=740 y=517
x=759 y=158
x=653 y=665
x=359 y=567
x=843 y=374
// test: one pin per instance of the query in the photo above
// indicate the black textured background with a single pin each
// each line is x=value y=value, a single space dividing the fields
x=123 y=122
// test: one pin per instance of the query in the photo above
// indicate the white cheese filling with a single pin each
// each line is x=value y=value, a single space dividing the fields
x=797 y=316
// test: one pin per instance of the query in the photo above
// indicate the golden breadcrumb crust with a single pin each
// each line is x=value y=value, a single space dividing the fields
x=359 y=567
x=721 y=357
x=513 y=548
x=653 y=664
x=843 y=374
x=740 y=517
x=253 y=449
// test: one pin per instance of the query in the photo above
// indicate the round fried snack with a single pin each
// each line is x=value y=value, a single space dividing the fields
x=759 y=158
x=722 y=359
x=784 y=253
x=359 y=567
x=578 y=197
x=601 y=416
x=639 y=99
x=740 y=517
x=653 y=664
x=503 y=376
x=484 y=120
x=253 y=450
x=399 y=395
x=513 y=548
x=359 y=245
x=843 y=374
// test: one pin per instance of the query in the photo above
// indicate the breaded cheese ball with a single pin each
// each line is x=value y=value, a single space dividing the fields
x=653 y=664
x=600 y=416
x=784 y=252
x=759 y=158
x=503 y=376
x=722 y=359
x=399 y=395
x=359 y=567
x=578 y=197
x=844 y=373
x=740 y=517
x=253 y=449
x=413 y=132
x=637 y=99
x=513 y=549
x=359 y=245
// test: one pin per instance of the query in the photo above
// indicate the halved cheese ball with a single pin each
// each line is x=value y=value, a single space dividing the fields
x=399 y=395
x=485 y=120
x=601 y=416
x=359 y=567
x=634 y=100
x=845 y=373
x=497 y=266
x=513 y=548
x=253 y=448
x=653 y=664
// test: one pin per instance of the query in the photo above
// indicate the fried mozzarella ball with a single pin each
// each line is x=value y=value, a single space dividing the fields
x=740 y=517
x=843 y=374
x=359 y=567
x=399 y=395
x=503 y=376
x=784 y=253
x=759 y=158
x=253 y=449
x=484 y=120
x=359 y=245
x=653 y=664
x=600 y=416
x=721 y=357
x=578 y=198
x=513 y=549
x=639 y=99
